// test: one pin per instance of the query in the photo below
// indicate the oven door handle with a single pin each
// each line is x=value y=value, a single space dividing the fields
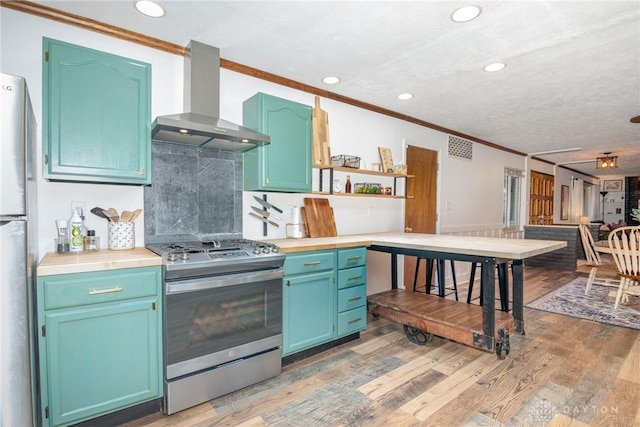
x=202 y=283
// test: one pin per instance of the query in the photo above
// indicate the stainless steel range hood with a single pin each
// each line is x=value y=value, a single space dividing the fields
x=200 y=125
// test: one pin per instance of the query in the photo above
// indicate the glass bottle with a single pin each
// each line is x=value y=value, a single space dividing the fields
x=347 y=185
x=91 y=242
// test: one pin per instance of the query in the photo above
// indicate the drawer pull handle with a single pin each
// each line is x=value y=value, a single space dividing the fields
x=354 y=299
x=356 y=320
x=354 y=278
x=105 y=291
x=354 y=258
x=312 y=263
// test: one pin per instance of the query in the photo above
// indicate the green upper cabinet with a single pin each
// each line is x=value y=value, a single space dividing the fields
x=96 y=113
x=285 y=164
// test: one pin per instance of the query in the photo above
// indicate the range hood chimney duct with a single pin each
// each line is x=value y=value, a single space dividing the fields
x=200 y=124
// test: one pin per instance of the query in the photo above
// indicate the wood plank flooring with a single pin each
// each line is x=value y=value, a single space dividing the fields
x=563 y=372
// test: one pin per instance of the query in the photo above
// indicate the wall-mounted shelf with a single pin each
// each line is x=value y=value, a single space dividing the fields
x=330 y=168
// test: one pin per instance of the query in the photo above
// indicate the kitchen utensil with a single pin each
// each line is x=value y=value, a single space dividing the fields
x=114 y=217
x=275 y=224
x=135 y=215
x=320 y=220
x=110 y=216
x=320 y=123
x=267 y=204
x=99 y=212
x=266 y=214
x=126 y=216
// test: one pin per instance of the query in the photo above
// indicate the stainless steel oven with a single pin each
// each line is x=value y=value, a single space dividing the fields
x=222 y=321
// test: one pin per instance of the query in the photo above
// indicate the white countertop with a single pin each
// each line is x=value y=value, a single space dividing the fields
x=469 y=245
x=54 y=263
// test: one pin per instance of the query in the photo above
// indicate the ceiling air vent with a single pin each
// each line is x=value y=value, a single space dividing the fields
x=460 y=148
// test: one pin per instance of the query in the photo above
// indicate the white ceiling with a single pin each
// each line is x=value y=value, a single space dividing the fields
x=572 y=77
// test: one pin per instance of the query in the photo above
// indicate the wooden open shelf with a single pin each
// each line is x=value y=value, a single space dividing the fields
x=343 y=169
x=362 y=171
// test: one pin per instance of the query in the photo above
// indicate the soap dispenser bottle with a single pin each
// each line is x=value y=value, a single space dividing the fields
x=76 y=240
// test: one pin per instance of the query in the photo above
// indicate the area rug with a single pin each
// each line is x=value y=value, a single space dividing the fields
x=597 y=305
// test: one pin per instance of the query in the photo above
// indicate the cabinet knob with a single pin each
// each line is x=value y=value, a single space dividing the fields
x=408 y=229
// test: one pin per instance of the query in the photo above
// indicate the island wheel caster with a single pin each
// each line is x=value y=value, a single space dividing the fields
x=417 y=336
x=502 y=346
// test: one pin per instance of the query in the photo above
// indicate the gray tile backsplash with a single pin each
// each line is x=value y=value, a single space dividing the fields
x=196 y=194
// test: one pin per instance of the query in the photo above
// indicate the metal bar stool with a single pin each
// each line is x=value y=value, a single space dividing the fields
x=503 y=284
x=441 y=282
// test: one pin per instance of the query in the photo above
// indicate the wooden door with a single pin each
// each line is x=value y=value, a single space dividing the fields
x=421 y=207
x=541 y=198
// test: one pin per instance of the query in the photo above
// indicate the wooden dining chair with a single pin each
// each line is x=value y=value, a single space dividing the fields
x=595 y=262
x=624 y=243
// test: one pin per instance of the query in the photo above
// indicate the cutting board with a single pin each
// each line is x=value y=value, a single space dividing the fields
x=320 y=121
x=303 y=221
x=319 y=215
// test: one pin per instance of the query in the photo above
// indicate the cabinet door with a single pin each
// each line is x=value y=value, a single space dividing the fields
x=101 y=359
x=309 y=311
x=96 y=115
x=284 y=164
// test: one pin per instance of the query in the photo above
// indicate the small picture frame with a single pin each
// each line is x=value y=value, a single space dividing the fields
x=386 y=159
x=613 y=185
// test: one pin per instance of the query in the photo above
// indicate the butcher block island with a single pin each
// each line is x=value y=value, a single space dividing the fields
x=481 y=327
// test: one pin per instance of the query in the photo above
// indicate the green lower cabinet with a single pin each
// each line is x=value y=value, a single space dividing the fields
x=309 y=315
x=100 y=342
x=325 y=297
x=309 y=307
x=352 y=291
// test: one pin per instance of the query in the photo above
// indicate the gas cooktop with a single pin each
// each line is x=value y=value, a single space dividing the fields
x=225 y=256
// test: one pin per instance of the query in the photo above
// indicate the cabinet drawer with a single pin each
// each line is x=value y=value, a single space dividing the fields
x=69 y=290
x=352 y=277
x=308 y=263
x=352 y=257
x=352 y=321
x=351 y=298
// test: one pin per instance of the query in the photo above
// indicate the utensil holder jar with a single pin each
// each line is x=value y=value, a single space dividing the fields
x=121 y=235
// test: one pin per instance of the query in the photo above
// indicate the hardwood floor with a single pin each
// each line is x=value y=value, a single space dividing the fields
x=563 y=372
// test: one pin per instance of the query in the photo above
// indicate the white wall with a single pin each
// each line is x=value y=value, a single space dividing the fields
x=472 y=189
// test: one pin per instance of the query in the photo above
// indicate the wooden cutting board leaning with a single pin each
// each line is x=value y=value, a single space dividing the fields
x=321 y=145
x=319 y=216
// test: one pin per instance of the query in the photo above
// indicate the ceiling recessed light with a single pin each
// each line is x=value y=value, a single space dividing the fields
x=465 y=13
x=496 y=66
x=331 y=80
x=149 y=8
x=405 y=96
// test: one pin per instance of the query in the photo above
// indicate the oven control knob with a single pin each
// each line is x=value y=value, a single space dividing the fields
x=265 y=250
x=172 y=256
x=184 y=256
x=256 y=250
x=275 y=249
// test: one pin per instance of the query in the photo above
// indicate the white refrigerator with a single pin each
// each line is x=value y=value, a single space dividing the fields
x=18 y=253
